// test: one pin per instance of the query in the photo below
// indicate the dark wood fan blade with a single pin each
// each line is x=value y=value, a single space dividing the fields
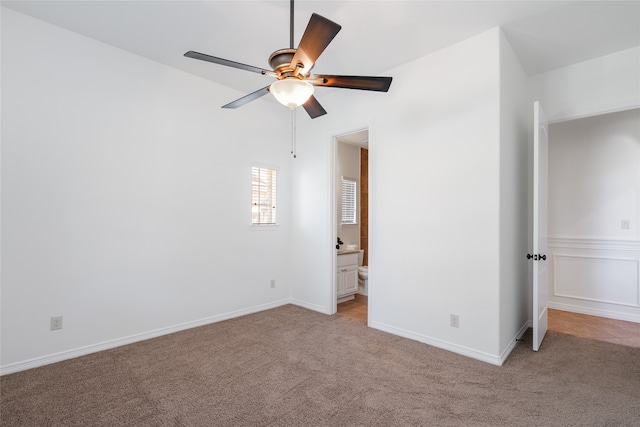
x=228 y=63
x=317 y=36
x=248 y=98
x=380 y=84
x=313 y=108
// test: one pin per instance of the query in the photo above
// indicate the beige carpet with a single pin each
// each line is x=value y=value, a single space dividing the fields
x=294 y=367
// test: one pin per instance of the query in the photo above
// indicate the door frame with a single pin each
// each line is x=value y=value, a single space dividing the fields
x=602 y=313
x=336 y=135
x=553 y=119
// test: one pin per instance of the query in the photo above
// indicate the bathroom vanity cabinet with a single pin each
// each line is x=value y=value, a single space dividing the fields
x=347 y=276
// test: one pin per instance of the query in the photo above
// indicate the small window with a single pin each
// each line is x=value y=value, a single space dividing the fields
x=349 y=201
x=263 y=196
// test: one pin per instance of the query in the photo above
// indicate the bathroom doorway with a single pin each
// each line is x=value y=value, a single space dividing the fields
x=352 y=219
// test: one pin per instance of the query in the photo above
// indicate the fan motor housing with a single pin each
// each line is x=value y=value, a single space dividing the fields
x=280 y=61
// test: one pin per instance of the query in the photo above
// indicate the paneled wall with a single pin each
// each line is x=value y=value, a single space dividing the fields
x=598 y=277
x=594 y=211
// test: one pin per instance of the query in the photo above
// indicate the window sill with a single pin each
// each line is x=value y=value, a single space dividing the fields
x=263 y=227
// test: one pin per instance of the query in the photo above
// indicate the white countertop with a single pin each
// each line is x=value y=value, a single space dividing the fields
x=348 y=251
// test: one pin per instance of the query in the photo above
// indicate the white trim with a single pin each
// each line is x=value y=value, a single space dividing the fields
x=512 y=344
x=310 y=306
x=263 y=227
x=610 y=258
x=598 y=244
x=333 y=223
x=371 y=236
x=332 y=193
x=597 y=249
x=352 y=130
x=627 y=317
x=566 y=118
x=106 y=345
x=356 y=196
x=265 y=165
x=454 y=348
x=276 y=170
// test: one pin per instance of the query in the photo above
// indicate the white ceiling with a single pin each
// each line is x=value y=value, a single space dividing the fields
x=376 y=36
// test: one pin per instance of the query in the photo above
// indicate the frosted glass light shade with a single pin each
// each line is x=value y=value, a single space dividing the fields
x=291 y=92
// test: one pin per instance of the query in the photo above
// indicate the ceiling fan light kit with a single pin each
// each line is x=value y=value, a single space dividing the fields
x=291 y=92
x=292 y=69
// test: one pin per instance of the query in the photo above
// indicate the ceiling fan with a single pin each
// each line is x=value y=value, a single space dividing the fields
x=292 y=69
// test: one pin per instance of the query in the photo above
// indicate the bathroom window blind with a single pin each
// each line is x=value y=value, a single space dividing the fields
x=263 y=196
x=348 y=201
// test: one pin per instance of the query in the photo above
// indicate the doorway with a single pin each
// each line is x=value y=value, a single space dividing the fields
x=594 y=247
x=352 y=217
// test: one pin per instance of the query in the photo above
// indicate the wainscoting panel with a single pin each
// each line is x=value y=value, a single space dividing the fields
x=598 y=277
x=608 y=280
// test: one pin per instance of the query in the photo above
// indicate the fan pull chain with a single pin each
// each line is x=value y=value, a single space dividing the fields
x=293 y=132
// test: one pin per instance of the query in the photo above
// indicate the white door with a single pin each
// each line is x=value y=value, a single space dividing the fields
x=539 y=256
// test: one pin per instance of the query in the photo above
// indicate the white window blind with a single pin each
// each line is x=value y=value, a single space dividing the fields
x=263 y=196
x=348 y=201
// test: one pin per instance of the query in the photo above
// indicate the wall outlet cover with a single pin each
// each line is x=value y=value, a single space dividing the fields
x=56 y=323
x=455 y=321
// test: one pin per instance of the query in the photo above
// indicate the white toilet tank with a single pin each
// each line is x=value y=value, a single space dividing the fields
x=363 y=275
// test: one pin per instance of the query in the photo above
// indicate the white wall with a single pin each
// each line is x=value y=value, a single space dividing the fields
x=514 y=230
x=110 y=165
x=601 y=85
x=594 y=171
x=123 y=191
x=313 y=245
x=347 y=165
x=594 y=168
x=436 y=171
x=435 y=198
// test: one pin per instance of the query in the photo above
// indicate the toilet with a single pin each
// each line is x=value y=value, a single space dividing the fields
x=363 y=275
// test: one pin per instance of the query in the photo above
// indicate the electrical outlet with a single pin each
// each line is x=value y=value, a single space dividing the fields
x=455 y=321
x=625 y=224
x=56 y=323
x=273 y=283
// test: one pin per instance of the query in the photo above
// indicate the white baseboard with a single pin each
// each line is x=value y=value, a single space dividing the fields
x=310 y=306
x=454 y=348
x=507 y=351
x=93 y=348
x=595 y=312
